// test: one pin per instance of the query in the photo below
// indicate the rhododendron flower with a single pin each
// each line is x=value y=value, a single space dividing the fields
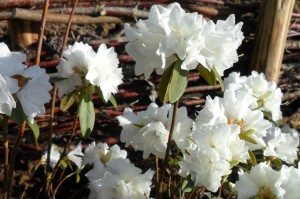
x=206 y=168
x=282 y=143
x=220 y=44
x=291 y=182
x=54 y=156
x=102 y=152
x=149 y=130
x=81 y=62
x=266 y=95
x=8 y=86
x=171 y=31
x=234 y=108
x=76 y=155
x=224 y=139
x=35 y=93
x=11 y=63
x=121 y=180
x=262 y=181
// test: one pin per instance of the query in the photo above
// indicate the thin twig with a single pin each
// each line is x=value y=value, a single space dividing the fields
x=6 y=152
x=14 y=155
x=165 y=161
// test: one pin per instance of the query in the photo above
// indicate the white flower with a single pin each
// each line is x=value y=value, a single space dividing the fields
x=81 y=62
x=8 y=86
x=35 y=93
x=77 y=60
x=171 y=31
x=234 y=108
x=102 y=152
x=149 y=130
x=205 y=167
x=291 y=182
x=266 y=95
x=262 y=181
x=11 y=63
x=104 y=71
x=99 y=155
x=121 y=180
x=54 y=156
x=224 y=139
x=76 y=155
x=282 y=143
x=220 y=45
x=234 y=81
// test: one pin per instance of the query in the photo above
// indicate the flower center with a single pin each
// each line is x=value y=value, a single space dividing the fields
x=265 y=193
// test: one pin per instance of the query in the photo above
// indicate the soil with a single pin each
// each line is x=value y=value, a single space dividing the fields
x=135 y=92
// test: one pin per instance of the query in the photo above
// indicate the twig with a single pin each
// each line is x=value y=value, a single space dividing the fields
x=14 y=155
x=61 y=18
x=165 y=160
x=68 y=28
x=42 y=28
x=6 y=154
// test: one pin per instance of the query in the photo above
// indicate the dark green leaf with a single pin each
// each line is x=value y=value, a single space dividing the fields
x=163 y=88
x=247 y=138
x=35 y=129
x=178 y=83
x=278 y=163
x=18 y=114
x=209 y=76
x=56 y=79
x=113 y=101
x=77 y=178
x=218 y=78
x=252 y=158
x=67 y=101
x=86 y=115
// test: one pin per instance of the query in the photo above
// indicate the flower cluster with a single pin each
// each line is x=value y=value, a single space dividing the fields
x=81 y=63
x=265 y=95
x=113 y=175
x=170 y=33
x=28 y=86
x=148 y=131
x=264 y=182
x=221 y=136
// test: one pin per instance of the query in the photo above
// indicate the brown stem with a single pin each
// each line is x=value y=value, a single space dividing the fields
x=41 y=35
x=14 y=155
x=68 y=28
x=50 y=133
x=65 y=148
x=165 y=161
x=6 y=154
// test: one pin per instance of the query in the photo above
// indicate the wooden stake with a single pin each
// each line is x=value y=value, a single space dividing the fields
x=271 y=32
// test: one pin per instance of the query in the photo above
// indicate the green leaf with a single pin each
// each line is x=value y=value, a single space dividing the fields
x=63 y=163
x=178 y=83
x=67 y=101
x=86 y=115
x=56 y=79
x=247 y=138
x=35 y=129
x=187 y=184
x=278 y=163
x=219 y=79
x=252 y=158
x=249 y=132
x=18 y=114
x=77 y=178
x=209 y=76
x=113 y=101
x=164 y=84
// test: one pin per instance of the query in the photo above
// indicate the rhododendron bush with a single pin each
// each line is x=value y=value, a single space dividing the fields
x=237 y=133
